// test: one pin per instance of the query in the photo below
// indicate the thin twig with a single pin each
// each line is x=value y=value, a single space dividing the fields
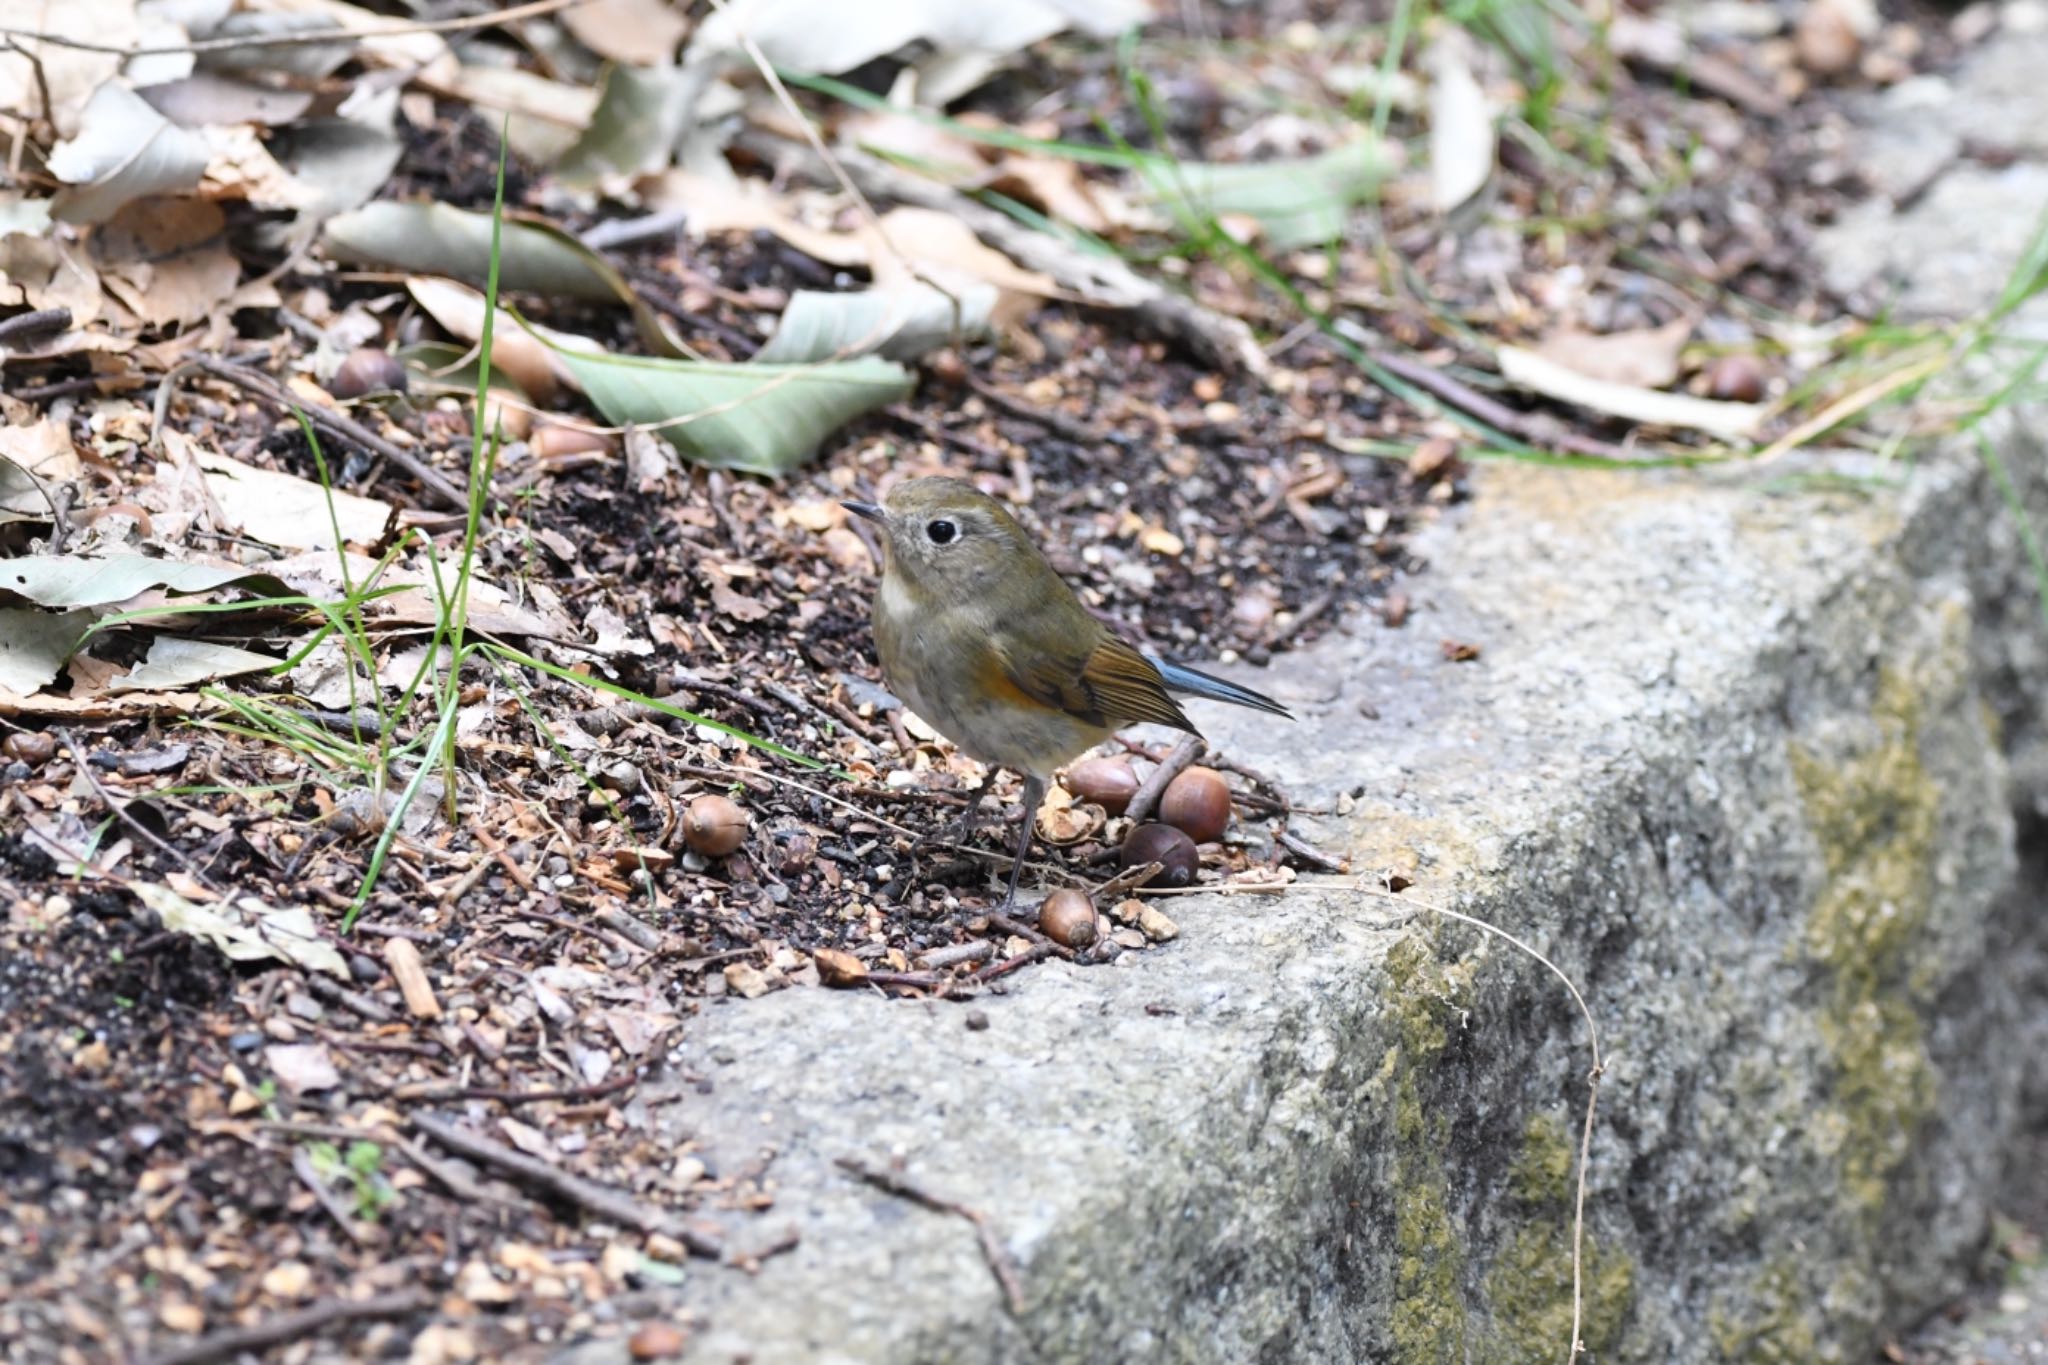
x=23 y=326
x=1310 y=854
x=326 y=1198
x=442 y=1094
x=1053 y=420
x=1128 y=879
x=1037 y=952
x=119 y=812
x=1030 y=933
x=300 y=39
x=334 y=424
x=605 y=1201
x=902 y=1186
x=955 y=954
x=1176 y=762
x=1535 y=428
x=235 y=1341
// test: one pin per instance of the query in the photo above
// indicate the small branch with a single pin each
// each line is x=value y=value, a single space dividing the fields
x=631 y=926
x=334 y=424
x=608 y=1203
x=440 y=1094
x=1310 y=854
x=902 y=1186
x=336 y=1207
x=1127 y=879
x=411 y=973
x=1176 y=762
x=1029 y=932
x=1058 y=423
x=355 y=1001
x=1037 y=952
x=235 y=1341
x=1535 y=428
x=24 y=326
x=954 y=954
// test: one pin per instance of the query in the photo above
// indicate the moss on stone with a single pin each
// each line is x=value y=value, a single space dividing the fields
x=1876 y=816
x=1545 y=1163
x=1772 y=1325
x=1529 y=1286
x=1429 y=1319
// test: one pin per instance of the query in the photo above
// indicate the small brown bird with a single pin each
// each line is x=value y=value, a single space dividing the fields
x=980 y=637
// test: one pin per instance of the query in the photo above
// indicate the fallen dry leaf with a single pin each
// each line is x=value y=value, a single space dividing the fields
x=640 y=32
x=1646 y=359
x=167 y=260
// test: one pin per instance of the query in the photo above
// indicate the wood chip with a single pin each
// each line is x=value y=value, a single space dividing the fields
x=405 y=963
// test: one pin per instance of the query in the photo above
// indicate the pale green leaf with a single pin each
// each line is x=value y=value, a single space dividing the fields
x=124 y=151
x=763 y=418
x=1298 y=202
x=175 y=663
x=901 y=323
x=102 y=580
x=640 y=117
x=537 y=258
x=246 y=930
x=35 y=646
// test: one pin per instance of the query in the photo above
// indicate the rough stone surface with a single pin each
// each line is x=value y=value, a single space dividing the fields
x=1765 y=772
x=1742 y=764
x=1956 y=161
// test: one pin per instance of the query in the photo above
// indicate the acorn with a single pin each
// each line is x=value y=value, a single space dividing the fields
x=1198 y=804
x=1068 y=919
x=1735 y=378
x=32 y=747
x=714 y=826
x=1165 y=845
x=367 y=370
x=1108 y=782
x=657 y=1341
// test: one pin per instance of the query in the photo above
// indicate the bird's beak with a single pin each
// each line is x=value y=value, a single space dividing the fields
x=866 y=509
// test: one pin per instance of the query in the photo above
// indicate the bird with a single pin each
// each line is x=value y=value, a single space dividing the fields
x=978 y=634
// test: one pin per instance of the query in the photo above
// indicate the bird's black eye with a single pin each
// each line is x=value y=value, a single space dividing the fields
x=941 y=532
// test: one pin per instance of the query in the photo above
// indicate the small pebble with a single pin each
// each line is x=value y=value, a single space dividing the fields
x=1157 y=926
x=977 y=1021
x=245 y=1042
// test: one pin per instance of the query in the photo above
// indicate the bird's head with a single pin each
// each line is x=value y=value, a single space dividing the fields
x=947 y=539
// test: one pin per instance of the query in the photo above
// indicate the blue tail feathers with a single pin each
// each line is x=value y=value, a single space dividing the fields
x=1189 y=682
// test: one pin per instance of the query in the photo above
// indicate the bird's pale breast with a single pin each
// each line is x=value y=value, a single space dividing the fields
x=941 y=663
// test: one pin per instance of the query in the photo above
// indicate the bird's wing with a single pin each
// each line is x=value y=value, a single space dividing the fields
x=1103 y=682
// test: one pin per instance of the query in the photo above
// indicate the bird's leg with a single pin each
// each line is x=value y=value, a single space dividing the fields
x=1034 y=794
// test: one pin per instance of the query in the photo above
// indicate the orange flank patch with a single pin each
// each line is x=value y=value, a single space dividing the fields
x=992 y=678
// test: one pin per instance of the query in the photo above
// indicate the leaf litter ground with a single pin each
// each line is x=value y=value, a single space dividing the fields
x=194 y=1145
